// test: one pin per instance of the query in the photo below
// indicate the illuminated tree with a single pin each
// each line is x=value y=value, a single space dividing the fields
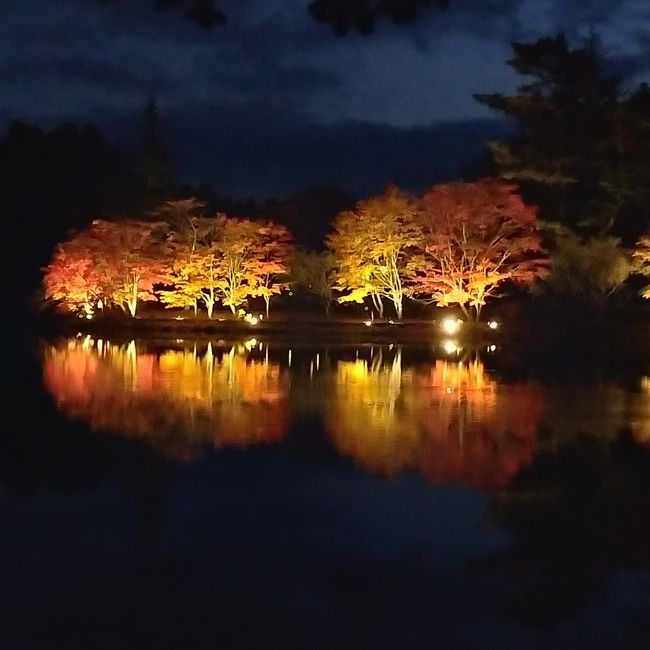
x=241 y=271
x=188 y=232
x=130 y=257
x=271 y=265
x=71 y=277
x=370 y=245
x=641 y=255
x=476 y=236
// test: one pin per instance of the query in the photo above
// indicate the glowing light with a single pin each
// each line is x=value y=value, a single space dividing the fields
x=492 y=324
x=251 y=320
x=250 y=344
x=391 y=322
x=492 y=348
x=450 y=347
x=89 y=316
x=451 y=325
x=367 y=323
x=180 y=318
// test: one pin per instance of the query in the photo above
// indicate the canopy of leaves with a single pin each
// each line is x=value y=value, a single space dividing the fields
x=588 y=270
x=370 y=245
x=582 y=145
x=641 y=256
x=475 y=237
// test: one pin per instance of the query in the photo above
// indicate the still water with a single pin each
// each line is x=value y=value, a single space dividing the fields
x=191 y=494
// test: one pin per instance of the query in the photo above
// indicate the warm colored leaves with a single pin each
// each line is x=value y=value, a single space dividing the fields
x=115 y=262
x=475 y=237
x=370 y=245
x=641 y=255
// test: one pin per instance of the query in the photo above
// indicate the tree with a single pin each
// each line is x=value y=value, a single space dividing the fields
x=370 y=245
x=241 y=269
x=72 y=279
x=589 y=269
x=475 y=237
x=641 y=255
x=342 y=15
x=272 y=261
x=130 y=257
x=582 y=143
x=153 y=165
x=187 y=235
x=361 y=15
x=313 y=272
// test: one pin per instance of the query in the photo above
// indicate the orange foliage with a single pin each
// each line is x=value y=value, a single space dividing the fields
x=476 y=236
x=177 y=401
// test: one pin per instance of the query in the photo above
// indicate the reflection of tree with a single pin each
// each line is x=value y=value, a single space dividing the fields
x=578 y=515
x=640 y=423
x=176 y=400
x=452 y=422
x=371 y=417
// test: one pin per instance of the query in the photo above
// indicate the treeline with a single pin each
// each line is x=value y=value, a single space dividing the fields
x=580 y=154
x=456 y=244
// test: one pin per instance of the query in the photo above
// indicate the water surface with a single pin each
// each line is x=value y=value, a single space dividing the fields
x=181 y=494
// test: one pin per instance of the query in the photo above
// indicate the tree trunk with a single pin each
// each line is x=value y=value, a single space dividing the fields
x=398 y=307
x=209 y=306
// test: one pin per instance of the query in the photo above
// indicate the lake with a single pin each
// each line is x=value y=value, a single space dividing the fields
x=242 y=494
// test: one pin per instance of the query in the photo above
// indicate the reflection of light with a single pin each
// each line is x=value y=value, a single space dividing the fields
x=451 y=325
x=367 y=323
x=449 y=390
x=450 y=347
x=179 y=318
x=492 y=324
x=251 y=343
x=179 y=340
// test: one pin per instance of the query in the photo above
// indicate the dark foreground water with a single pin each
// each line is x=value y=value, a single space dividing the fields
x=251 y=495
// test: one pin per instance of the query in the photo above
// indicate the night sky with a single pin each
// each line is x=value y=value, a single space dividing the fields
x=273 y=102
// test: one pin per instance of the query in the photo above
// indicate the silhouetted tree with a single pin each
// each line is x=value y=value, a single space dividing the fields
x=582 y=146
x=51 y=181
x=343 y=15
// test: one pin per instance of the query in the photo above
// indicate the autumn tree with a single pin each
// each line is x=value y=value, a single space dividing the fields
x=71 y=278
x=187 y=241
x=130 y=257
x=641 y=254
x=312 y=272
x=242 y=271
x=370 y=245
x=269 y=271
x=475 y=237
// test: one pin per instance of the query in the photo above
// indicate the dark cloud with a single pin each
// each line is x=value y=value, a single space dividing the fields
x=79 y=69
x=246 y=151
x=279 y=96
